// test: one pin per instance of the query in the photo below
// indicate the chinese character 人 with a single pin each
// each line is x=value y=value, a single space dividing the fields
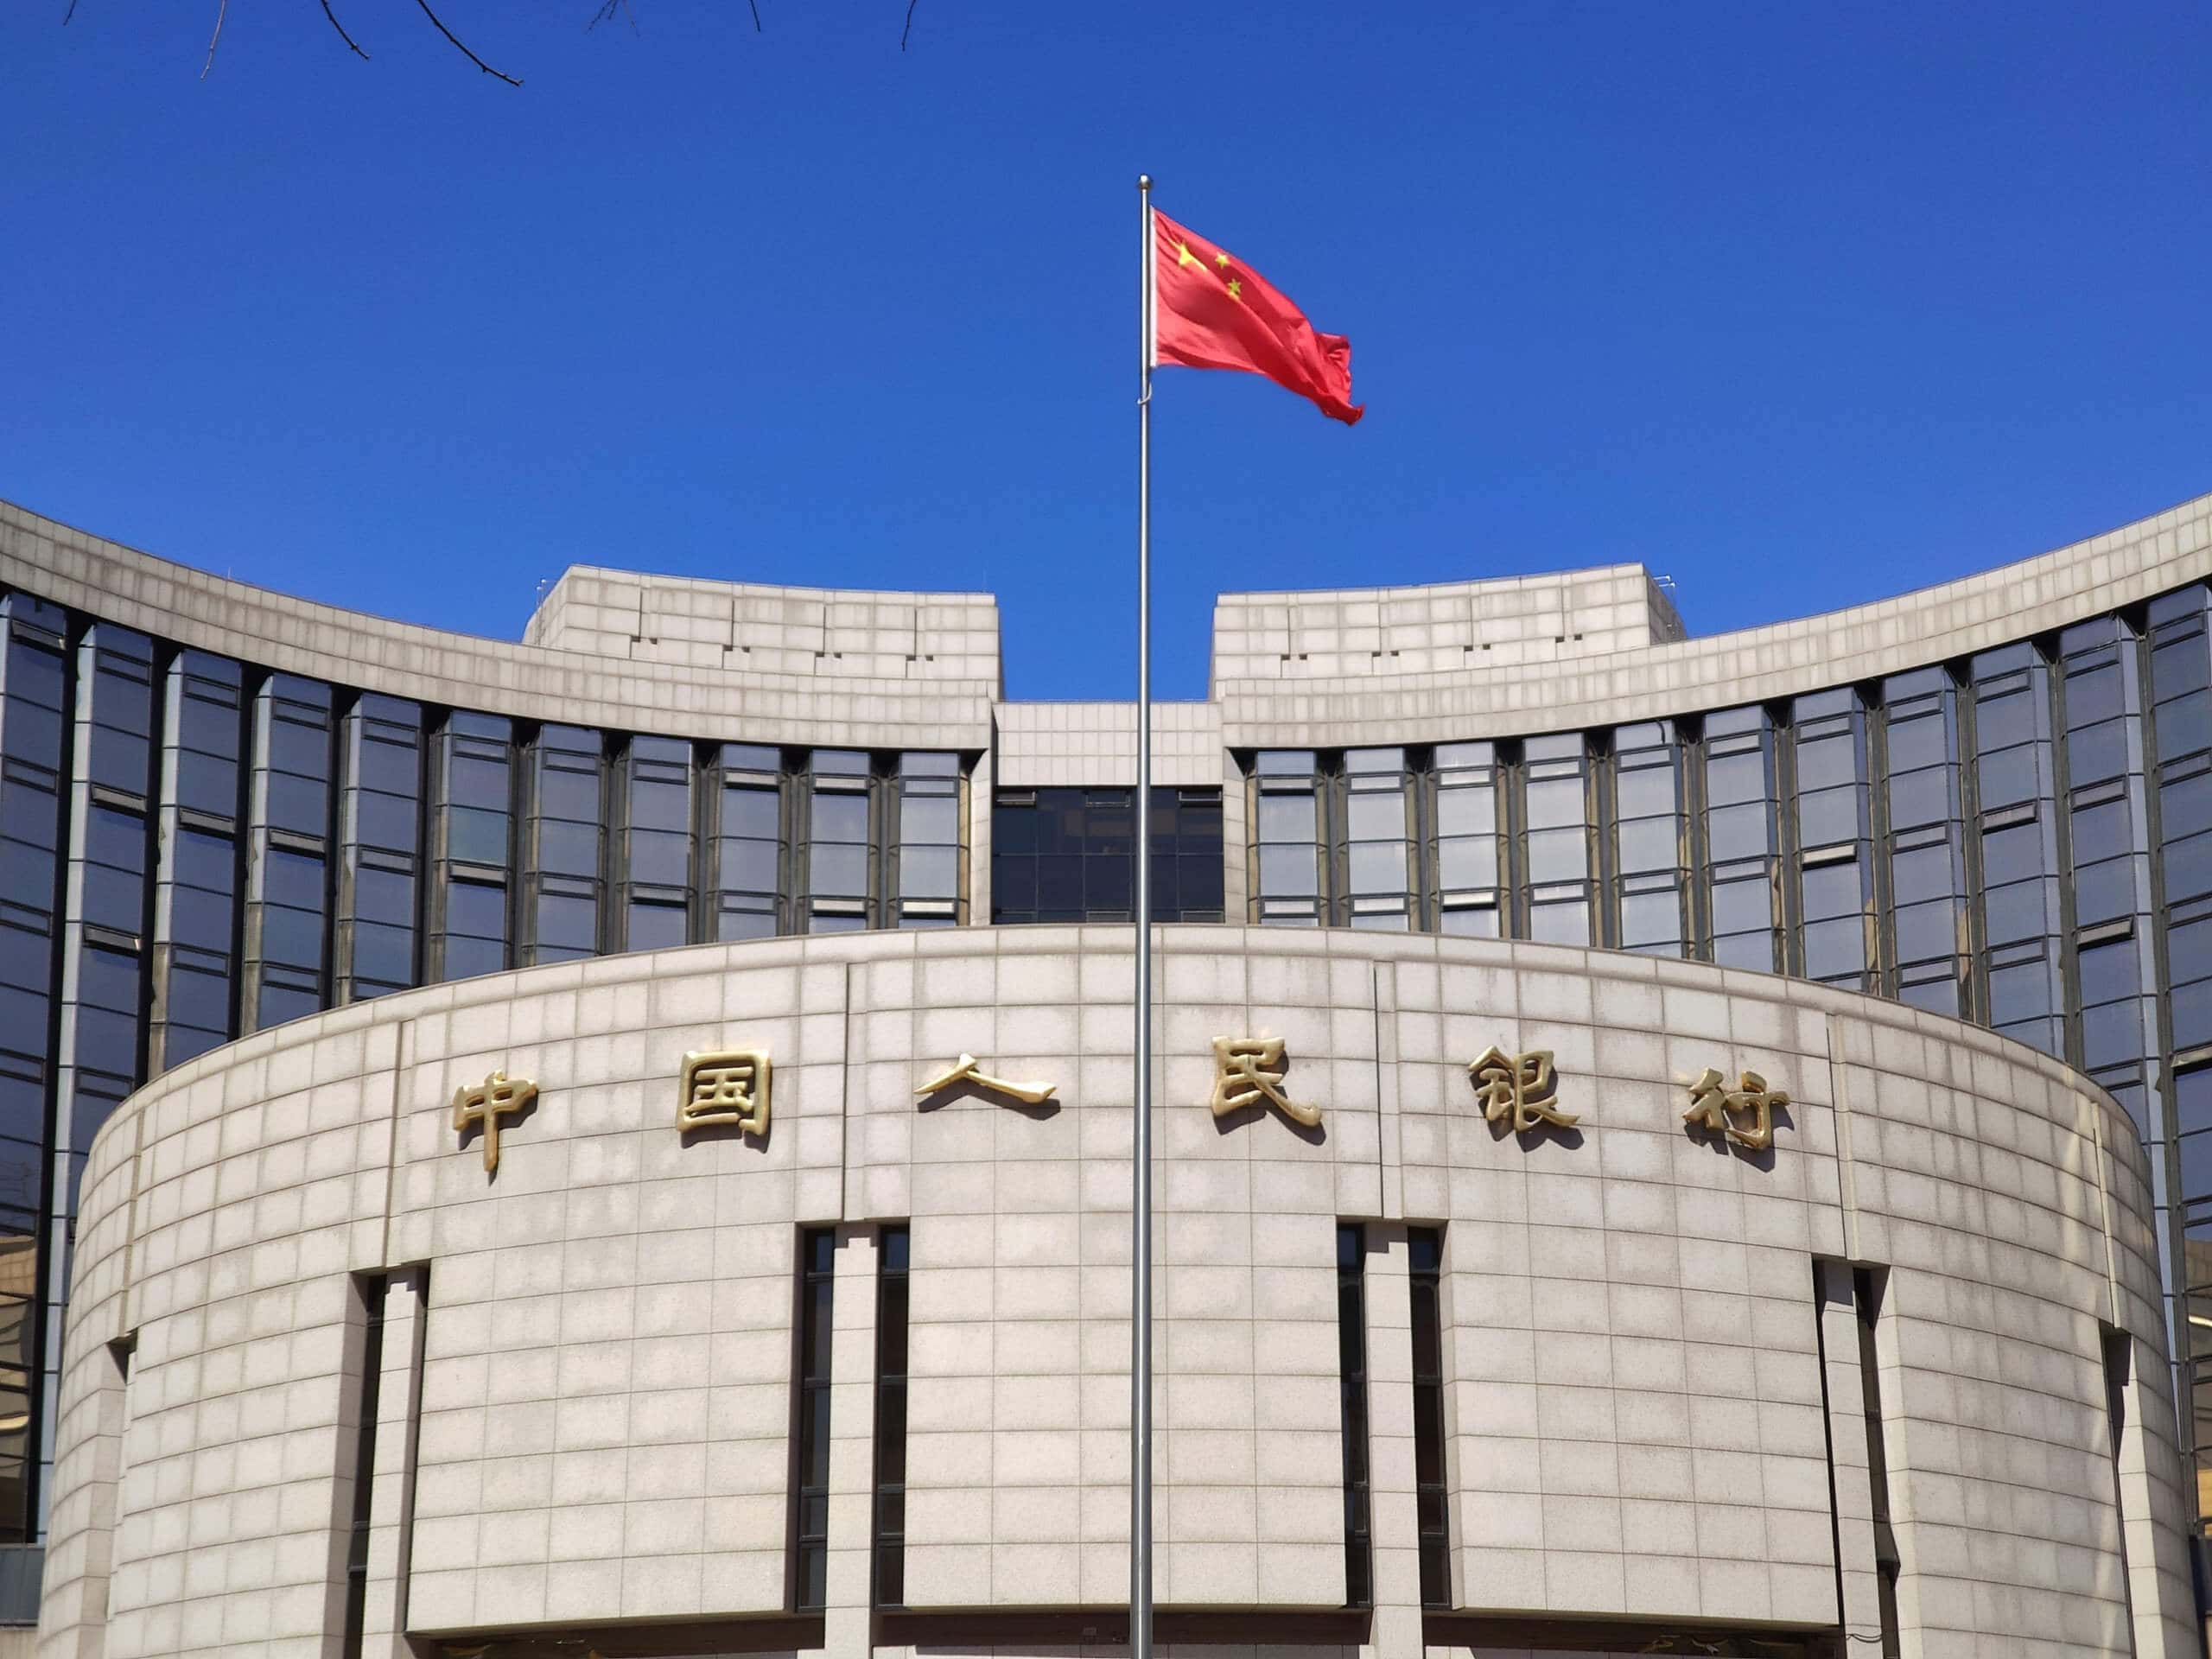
x=484 y=1104
x=1248 y=1071
x=726 y=1087
x=1518 y=1088
x=964 y=1070
x=1714 y=1107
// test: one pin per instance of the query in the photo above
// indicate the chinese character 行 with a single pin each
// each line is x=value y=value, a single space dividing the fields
x=1712 y=1105
x=1518 y=1088
x=1248 y=1071
x=964 y=1070
x=484 y=1104
x=728 y=1087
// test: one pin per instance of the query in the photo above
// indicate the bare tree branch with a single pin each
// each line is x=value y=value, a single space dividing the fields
x=67 y=15
x=608 y=11
x=909 y=29
x=756 y=15
x=457 y=46
x=222 y=10
x=335 y=24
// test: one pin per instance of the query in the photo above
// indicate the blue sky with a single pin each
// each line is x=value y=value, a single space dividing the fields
x=1801 y=306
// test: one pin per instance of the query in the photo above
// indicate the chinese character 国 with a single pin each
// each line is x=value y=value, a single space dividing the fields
x=726 y=1087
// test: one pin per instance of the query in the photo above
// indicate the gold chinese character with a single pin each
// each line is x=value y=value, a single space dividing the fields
x=484 y=1104
x=1711 y=1106
x=1249 y=1069
x=1518 y=1088
x=728 y=1087
x=964 y=1071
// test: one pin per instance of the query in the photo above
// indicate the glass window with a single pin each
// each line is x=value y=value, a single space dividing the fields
x=1287 y=822
x=196 y=914
x=931 y=848
x=841 y=849
x=1743 y=844
x=380 y=797
x=564 y=845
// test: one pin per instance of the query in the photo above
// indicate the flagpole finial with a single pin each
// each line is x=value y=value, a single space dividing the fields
x=1144 y=181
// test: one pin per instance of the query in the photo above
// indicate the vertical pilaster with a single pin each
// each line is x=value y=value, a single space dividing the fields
x=847 y=1604
x=1393 y=1516
x=1850 y=1483
x=2149 y=1470
x=392 y=1469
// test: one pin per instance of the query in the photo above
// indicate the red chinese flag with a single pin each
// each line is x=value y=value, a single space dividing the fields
x=1210 y=310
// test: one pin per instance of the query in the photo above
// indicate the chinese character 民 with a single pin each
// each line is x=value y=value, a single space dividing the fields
x=964 y=1071
x=1248 y=1071
x=484 y=1104
x=1712 y=1106
x=1518 y=1088
x=729 y=1087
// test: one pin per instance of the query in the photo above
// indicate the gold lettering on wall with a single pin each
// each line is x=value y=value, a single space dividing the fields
x=483 y=1105
x=724 y=1087
x=1251 y=1070
x=964 y=1070
x=1713 y=1108
x=1519 y=1089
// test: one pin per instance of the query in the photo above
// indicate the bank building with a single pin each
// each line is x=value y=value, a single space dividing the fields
x=618 y=1143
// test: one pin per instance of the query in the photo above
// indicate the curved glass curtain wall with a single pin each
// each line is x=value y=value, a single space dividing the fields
x=2022 y=837
x=192 y=848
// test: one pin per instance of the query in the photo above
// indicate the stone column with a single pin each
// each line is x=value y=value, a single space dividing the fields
x=848 y=1612
x=1393 y=1519
x=1848 y=1475
x=391 y=1492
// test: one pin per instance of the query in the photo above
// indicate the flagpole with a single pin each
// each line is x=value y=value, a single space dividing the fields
x=1141 y=1144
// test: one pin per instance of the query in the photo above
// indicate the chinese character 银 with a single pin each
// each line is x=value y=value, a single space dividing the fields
x=1518 y=1088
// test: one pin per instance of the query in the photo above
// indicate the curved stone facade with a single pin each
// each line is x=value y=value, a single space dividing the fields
x=226 y=815
x=1652 y=1414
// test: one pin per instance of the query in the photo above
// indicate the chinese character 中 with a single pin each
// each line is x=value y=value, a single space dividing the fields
x=1251 y=1070
x=1712 y=1107
x=729 y=1087
x=964 y=1070
x=484 y=1104
x=1518 y=1088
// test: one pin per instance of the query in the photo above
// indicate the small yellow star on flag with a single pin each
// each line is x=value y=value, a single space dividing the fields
x=1221 y=259
x=1183 y=254
x=1236 y=289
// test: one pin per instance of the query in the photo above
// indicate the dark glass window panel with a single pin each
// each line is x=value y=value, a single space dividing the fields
x=753 y=812
x=388 y=768
x=202 y=861
x=749 y=866
x=383 y=953
x=568 y=848
x=1288 y=871
x=206 y=785
x=1555 y=923
x=2006 y=721
x=1013 y=828
x=1372 y=817
x=657 y=927
x=2185 y=807
x=1923 y=872
x=2012 y=778
x=1731 y=778
x=660 y=858
x=118 y=759
x=1926 y=931
x=2185 y=725
x=1936 y=996
x=1286 y=817
x=478 y=781
x=290 y=878
x=475 y=908
x=297 y=804
x=1738 y=832
x=566 y=922
x=2193 y=1113
x=1460 y=812
x=384 y=821
x=31 y=732
x=2020 y=993
x=1651 y=844
x=927 y=818
x=2195 y=1166
x=383 y=896
x=1833 y=890
x=1738 y=906
x=1479 y=922
x=2181 y=664
x=477 y=836
x=1375 y=867
x=1826 y=763
x=1830 y=816
x=929 y=872
x=2189 y=950
x=114 y=838
x=1922 y=797
x=291 y=938
x=196 y=999
x=1836 y=949
x=2101 y=831
x=2112 y=1033
x=1059 y=882
x=2013 y=855
x=731 y=924
x=2189 y=867
x=1924 y=740
x=1109 y=883
x=562 y=793
x=2094 y=694
x=1013 y=883
x=1555 y=803
x=109 y=979
x=1754 y=950
x=280 y=1003
x=655 y=804
x=2098 y=753
x=1558 y=854
x=2106 y=892
x=199 y=919
x=2022 y=911
x=467 y=957
x=839 y=817
x=1649 y=919
x=839 y=870
x=1644 y=791
x=1199 y=882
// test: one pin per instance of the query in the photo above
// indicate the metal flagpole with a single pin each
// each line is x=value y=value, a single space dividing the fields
x=1141 y=1146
